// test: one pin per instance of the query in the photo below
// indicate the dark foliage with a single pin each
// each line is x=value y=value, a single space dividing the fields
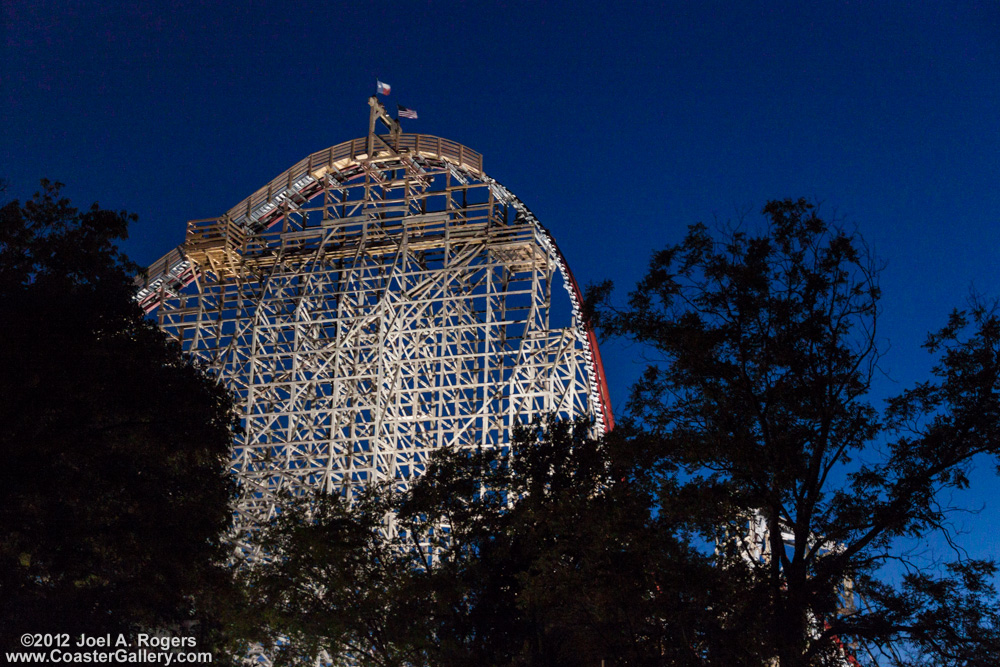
x=765 y=347
x=554 y=556
x=546 y=553
x=335 y=584
x=114 y=489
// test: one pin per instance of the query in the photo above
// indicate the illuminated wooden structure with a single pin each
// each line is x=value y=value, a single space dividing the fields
x=380 y=299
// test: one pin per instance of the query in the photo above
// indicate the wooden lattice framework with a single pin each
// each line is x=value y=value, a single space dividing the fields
x=380 y=299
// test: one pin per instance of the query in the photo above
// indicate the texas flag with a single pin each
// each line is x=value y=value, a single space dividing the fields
x=382 y=88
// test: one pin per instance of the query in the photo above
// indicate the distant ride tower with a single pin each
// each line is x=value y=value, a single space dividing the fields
x=379 y=300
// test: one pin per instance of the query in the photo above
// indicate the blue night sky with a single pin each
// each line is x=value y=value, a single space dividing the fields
x=617 y=125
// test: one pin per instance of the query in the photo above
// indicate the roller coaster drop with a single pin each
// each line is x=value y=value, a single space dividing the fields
x=380 y=299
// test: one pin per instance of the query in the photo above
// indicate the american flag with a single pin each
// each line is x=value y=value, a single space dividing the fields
x=406 y=113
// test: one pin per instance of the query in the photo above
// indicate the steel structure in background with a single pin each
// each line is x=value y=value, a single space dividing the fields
x=379 y=300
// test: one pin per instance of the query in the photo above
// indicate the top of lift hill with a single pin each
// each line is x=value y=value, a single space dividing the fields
x=337 y=164
x=342 y=162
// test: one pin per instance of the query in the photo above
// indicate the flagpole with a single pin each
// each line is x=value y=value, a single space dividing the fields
x=377 y=113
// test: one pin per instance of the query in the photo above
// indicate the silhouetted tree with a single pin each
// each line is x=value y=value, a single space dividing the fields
x=332 y=584
x=764 y=348
x=555 y=553
x=548 y=552
x=114 y=488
